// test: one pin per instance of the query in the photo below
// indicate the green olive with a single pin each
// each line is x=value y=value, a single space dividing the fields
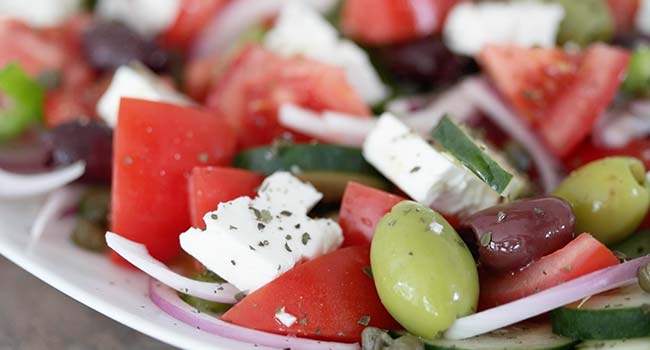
x=637 y=80
x=424 y=273
x=585 y=22
x=609 y=196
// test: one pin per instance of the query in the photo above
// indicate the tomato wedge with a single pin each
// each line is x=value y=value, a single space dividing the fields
x=192 y=17
x=381 y=22
x=156 y=146
x=361 y=209
x=209 y=186
x=581 y=256
x=257 y=82
x=624 y=13
x=560 y=94
x=331 y=296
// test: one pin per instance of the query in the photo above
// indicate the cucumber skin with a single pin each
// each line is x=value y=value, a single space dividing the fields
x=308 y=157
x=604 y=324
x=635 y=246
x=568 y=346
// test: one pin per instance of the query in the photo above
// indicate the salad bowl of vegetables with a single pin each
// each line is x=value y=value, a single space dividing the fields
x=354 y=174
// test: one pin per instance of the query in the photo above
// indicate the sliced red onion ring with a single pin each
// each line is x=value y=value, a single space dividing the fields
x=56 y=204
x=137 y=254
x=169 y=302
x=329 y=126
x=485 y=99
x=426 y=18
x=235 y=18
x=27 y=185
x=623 y=124
x=552 y=298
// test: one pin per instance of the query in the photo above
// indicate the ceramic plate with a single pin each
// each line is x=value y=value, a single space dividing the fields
x=91 y=279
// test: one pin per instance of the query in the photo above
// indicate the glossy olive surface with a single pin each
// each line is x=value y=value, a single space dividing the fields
x=510 y=236
x=424 y=273
x=609 y=196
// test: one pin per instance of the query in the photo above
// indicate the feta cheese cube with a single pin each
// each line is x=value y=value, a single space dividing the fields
x=425 y=174
x=138 y=82
x=147 y=17
x=643 y=17
x=39 y=13
x=300 y=30
x=471 y=26
x=250 y=242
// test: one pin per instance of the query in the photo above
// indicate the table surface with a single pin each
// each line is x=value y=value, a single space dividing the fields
x=35 y=316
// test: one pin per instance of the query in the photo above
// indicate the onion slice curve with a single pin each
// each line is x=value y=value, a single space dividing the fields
x=137 y=254
x=547 y=300
x=170 y=303
x=20 y=185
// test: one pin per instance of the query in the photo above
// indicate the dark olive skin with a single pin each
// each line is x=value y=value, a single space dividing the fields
x=510 y=236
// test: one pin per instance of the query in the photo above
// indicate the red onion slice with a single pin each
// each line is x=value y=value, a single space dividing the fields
x=484 y=98
x=27 y=185
x=235 y=18
x=552 y=298
x=329 y=126
x=56 y=204
x=426 y=18
x=137 y=254
x=169 y=302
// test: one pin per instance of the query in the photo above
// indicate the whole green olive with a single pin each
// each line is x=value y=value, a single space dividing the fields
x=424 y=273
x=609 y=196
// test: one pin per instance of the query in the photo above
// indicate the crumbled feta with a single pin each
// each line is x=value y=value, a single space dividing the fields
x=300 y=30
x=138 y=82
x=39 y=13
x=643 y=17
x=250 y=242
x=426 y=175
x=470 y=26
x=285 y=318
x=147 y=17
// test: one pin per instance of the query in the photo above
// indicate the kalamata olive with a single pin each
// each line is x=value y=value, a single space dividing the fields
x=90 y=141
x=509 y=236
x=108 y=45
x=424 y=61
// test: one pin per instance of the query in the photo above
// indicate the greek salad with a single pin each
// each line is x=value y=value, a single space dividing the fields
x=347 y=174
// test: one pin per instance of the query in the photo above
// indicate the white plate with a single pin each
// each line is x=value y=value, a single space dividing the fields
x=117 y=292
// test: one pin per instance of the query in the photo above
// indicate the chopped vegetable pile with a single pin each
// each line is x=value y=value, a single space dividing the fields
x=345 y=174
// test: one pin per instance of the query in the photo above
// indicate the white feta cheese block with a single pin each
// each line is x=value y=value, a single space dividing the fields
x=250 y=242
x=138 y=82
x=39 y=13
x=146 y=17
x=471 y=26
x=301 y=30
x=643 y=17
x=425 y=174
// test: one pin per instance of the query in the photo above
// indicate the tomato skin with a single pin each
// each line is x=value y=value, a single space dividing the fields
x=256 y=82
x=382 y=22
x=624 y=13
x=193 y=16
x=156 y=145
x=597 y=81
x=581 y=256
x=560 y=95
x=332 y=293
x=361 y=209
x=209 y=186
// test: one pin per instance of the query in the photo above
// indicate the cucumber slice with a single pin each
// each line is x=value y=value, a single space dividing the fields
x=518 y=337
x=635 y=246
x=328 y=167
x=618 y=314
x=485 y=163
x=332 y=184
x=619 y=344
